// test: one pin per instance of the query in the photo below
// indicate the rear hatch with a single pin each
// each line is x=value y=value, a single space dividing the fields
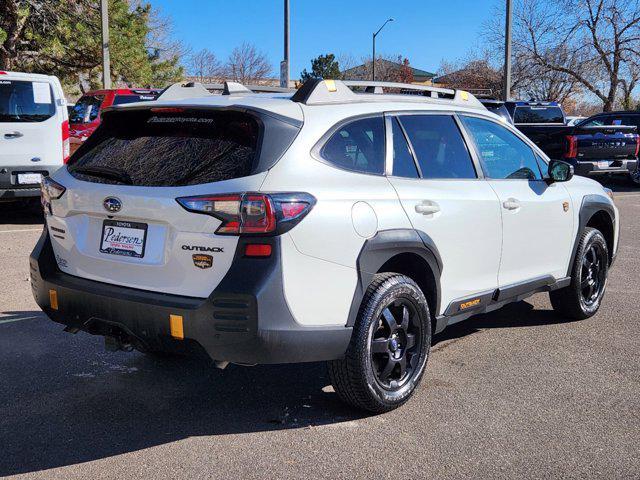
x=30 y=129
x=602 y=142
x=119 y=220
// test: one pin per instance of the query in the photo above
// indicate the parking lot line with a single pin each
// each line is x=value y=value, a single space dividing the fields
x=22 y=230
x=11 y=320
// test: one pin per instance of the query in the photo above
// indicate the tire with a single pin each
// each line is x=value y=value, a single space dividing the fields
x=634 y=178
x=582 y=298
x=393 y=329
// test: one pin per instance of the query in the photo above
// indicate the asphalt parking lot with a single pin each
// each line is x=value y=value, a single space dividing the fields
x=516 y=393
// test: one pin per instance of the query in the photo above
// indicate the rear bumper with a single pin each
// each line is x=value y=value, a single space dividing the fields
x=10 y=188
x=244 y=320
x=593 y=167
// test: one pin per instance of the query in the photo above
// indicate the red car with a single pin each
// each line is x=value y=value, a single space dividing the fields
x=84 y=117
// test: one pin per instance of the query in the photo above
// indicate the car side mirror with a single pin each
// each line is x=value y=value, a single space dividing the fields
x=560 y=171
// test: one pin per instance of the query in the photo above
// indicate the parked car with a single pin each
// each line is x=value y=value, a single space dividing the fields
x=616 y=118
x=34 y=132
x=498 y=107
x=591 y=149
x=85 y=117
x=572 y=120
x=323 y=225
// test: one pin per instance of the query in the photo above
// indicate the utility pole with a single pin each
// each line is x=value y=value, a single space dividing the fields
x=373 y=62
x=284 y=65
x=506 y=90
x=106 y=61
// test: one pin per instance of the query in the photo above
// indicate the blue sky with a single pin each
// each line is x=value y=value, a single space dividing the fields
x=424 y=31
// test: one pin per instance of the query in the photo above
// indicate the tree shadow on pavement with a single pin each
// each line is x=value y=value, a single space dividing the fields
x=64 y=400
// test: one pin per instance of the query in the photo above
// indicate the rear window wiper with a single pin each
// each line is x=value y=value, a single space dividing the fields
x=105 y=172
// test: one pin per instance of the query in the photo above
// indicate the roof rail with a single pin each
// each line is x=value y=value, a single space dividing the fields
x=319 y=92
x=179 y=90
x=251 y=88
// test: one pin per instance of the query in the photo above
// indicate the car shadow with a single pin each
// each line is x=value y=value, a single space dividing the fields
x=64 y=400
x=21 y=213
x=617 y=183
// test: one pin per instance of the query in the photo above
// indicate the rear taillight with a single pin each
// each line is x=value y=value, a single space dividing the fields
x=252 y=213
x=50 y=190
x=637 y=145
x=571 y=148
x=66 y=146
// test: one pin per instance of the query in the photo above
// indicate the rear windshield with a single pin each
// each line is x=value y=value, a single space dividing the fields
x=86 y=109
x=169 y=149
x=543 y=114
x=122 y=99
x=24 y=101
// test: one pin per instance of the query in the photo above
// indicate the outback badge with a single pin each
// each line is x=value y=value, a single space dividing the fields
x=202 y=261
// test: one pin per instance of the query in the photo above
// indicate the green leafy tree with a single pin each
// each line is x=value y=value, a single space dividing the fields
x=324 y=66
x=66 y=41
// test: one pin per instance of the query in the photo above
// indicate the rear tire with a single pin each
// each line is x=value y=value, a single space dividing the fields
x=389 y=346
x=634 y=178
x=582 y=298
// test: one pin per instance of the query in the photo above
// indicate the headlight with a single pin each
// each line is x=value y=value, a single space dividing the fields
x=609 y=192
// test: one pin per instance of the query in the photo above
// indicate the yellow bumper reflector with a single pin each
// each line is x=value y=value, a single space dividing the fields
x=53 y=299
x=331 y=85
x=175 y=323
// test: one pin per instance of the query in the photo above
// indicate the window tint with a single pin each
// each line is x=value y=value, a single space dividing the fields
x=403 y=164
x=538 y=115
x=594 y=122
x=22 y=101
x=187 y=148
x=86 y=109
x=502 y=153
x=358 y=145
x=439 y=147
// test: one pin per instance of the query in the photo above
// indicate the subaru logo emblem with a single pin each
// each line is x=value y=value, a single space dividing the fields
x=112 y=204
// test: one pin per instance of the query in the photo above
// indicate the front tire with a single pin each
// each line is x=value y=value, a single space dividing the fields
x=389 y=347
x=582 y=298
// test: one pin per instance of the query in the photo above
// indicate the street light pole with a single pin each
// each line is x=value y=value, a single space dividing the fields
x=106 y=62
x=373 y=63
x=506 y=91
x=284 y=66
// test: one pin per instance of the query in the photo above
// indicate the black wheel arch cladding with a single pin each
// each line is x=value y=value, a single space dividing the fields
x=592 y=206
x=387 y=245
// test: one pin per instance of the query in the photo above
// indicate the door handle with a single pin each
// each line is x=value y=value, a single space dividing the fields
x=427 y=208
x=511 y=204
x=13 y=135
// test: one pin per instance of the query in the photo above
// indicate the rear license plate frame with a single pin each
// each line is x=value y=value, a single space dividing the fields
x=127 y=225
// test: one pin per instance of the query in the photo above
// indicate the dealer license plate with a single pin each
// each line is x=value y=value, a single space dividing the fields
x=123 y=238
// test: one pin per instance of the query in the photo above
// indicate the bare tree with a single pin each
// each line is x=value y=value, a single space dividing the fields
x=204 y=65
x=247 y=65
x=591 y=41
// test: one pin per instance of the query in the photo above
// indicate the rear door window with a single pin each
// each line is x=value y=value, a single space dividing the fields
x=542 y=114
x=358 y=145
x=187 y=148
x=25 y=101
x=502 y=153
x=439 y=146
x=86 y=109
x=403 y=163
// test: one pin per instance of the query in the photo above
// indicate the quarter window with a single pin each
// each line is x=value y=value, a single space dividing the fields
x=358 y=146
x=439 y=147
x=502 y=153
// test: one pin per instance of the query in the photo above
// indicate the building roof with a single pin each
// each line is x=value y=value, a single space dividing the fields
x=417 y=72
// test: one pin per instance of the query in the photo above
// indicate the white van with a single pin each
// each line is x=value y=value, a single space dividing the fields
x=34 y=132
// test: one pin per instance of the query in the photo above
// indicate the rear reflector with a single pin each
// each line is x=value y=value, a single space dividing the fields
x=53 y=299
x=252 y=213
x=257 y=250
x=176 y=327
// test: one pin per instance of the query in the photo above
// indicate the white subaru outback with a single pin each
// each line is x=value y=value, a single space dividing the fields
x=347 y=222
